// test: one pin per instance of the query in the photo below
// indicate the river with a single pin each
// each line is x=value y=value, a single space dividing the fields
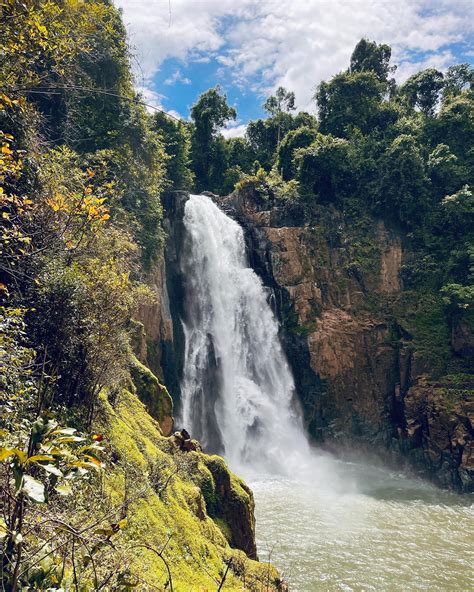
x=386 y=533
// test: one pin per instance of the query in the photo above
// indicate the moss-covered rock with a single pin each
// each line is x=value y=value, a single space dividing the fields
x=189 y=498
x=154 y=395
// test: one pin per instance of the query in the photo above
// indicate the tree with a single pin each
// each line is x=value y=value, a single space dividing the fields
x=176 y=139
x=209 y=114
x=350 y=100
x=454 y=126
x=283 y=101
x=403 y=185
x=457 y=79
x=302 y=137
x=262 y=134
x=324 y=169
x=370 y=57
x=423 y=90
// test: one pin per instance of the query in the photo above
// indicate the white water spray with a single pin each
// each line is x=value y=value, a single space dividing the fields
x=237 y=389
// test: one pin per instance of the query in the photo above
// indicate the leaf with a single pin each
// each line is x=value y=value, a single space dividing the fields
x=64 y=432
x=64 y=489
x=6 y=453
x=21 y=455
x=65 y=439
x=93 y=460
x=33 y=489
x=38 y=457
x=107 y=532
x=52 y=469
x=3 y=529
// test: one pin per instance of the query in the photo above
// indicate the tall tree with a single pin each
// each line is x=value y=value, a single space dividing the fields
x=176 y=139
x=423 y=90
x=208 y=151
x=350 y=100
x=283 y=101
x=370 y=57
x=457 y=78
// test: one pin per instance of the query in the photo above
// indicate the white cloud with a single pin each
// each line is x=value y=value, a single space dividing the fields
x=151 y=98
x=296 y=44
x=177 y=77
x=235 y=131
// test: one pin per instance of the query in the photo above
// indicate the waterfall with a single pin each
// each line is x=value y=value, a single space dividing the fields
x=238 y=394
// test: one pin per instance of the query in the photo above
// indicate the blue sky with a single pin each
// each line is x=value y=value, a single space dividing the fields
x=183 y=47
x=181 y=84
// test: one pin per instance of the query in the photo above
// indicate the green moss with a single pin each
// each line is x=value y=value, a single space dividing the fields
x=422 y=317
x=225 y=529
x=456 y=389
x=199 y=545
x=154 y=395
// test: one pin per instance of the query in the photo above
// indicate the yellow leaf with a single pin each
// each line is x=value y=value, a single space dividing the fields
x=6 y=453
x=38 y=457
x=93 y=460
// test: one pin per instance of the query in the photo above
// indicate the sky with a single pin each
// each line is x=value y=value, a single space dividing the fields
x=250 y=47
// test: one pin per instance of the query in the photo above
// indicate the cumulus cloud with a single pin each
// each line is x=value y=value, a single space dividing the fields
x=235 y=131
x=266 y=43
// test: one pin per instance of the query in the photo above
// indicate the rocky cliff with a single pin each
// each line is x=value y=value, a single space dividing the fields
x=374 y=363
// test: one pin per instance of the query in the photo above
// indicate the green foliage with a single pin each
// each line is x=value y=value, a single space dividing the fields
x=457 y=79
x=208 y=154
x=370 y=57
x=457 y=297
x=282 y=100
x=264 y=135
x=269 y=186
x=176 y=138
x=403 y=183
x=324 y=169
x=422 y=317
x=423 y=90
x=353 y=100
x=458 y=209
x=302 y=137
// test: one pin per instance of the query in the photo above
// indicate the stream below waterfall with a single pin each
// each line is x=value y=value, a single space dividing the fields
x=387 y=533
x=327 y=525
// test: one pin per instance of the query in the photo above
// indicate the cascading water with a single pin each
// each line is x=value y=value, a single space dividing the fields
x=329 y=525
x=237 y=389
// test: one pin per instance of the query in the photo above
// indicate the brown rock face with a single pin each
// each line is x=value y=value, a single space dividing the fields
x=440 y=433
x=156 y=320
x=359 y=378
